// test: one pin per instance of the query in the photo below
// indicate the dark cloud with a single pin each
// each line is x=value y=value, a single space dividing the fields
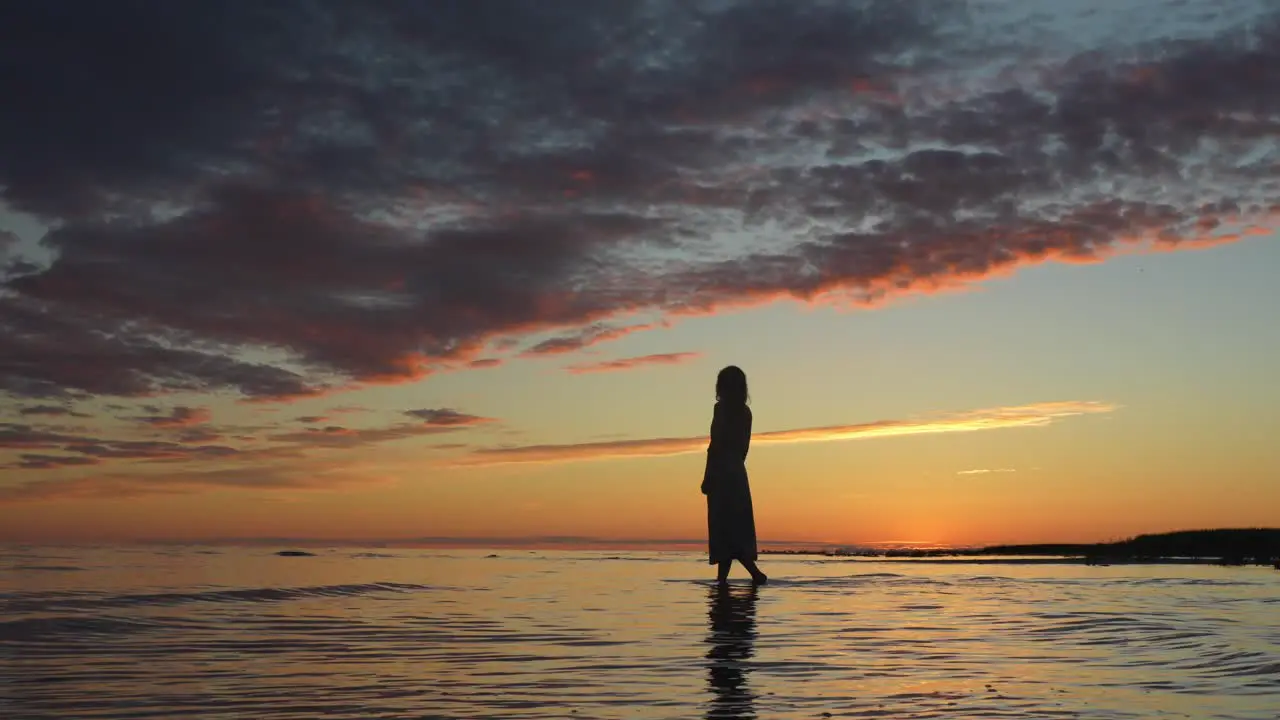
x=337 y=436
x=180 y=416
x=151 y=450
x=25 y=437
x=247 y=198
x=583 y=338
x=17 y=267
x=446 y=417
x=189 y=440
x=631 y=363
x=201 y=435
x=434 y=421
x=50 y=351
x=36 y=461
x=51 y=410
x=120 y=98
x=345 y=297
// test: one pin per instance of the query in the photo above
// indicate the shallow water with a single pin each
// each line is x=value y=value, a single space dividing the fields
x=242 y=633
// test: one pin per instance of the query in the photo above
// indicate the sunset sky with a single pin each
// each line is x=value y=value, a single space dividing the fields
x=998 y=271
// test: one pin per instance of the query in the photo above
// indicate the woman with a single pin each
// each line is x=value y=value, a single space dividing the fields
x=731 y=524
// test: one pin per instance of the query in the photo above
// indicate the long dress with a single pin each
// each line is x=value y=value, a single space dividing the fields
x=731 y=523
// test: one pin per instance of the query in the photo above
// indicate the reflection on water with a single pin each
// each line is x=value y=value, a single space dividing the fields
x=732 y=638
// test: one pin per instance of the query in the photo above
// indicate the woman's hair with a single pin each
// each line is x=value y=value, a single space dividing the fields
x=731 y=386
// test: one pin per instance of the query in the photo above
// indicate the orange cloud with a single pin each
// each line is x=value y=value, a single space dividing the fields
x=1035 y=415
x=739 y=286
x=632 y=362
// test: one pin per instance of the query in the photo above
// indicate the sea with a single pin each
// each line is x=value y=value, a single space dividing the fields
x=241 y=632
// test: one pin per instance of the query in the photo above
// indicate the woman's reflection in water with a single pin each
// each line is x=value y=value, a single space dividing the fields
x=732 y=640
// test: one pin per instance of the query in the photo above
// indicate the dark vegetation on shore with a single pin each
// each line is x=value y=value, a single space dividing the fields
x=1256 y=546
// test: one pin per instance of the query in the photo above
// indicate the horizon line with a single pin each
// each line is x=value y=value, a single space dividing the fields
x=567 y=542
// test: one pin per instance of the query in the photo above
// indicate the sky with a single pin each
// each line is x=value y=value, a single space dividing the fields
x=997 y=270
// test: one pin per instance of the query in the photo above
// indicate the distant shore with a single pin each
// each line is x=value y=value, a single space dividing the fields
x=1250 y=546
x=1045 y=560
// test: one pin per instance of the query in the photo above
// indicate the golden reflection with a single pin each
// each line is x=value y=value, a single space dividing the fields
x=732 y=637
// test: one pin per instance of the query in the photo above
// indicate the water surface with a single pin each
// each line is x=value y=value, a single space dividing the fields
x=356 y=633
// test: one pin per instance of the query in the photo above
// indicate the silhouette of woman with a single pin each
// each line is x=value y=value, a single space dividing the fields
x=731 y=524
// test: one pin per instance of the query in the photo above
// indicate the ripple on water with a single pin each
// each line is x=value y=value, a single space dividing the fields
x=555 y=637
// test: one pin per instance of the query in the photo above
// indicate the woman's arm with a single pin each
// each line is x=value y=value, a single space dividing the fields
x=714 y=446
x=746 y=440
x=718 y=429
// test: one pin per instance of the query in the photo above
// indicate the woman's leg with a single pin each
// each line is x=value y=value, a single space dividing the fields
x=756 y=575
x=722 y=572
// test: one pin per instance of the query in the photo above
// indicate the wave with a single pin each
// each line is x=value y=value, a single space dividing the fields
x=1207 y=582
x=78 y=627
x=87 y=601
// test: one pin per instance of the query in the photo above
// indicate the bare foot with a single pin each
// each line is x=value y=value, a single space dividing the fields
x=760 y=579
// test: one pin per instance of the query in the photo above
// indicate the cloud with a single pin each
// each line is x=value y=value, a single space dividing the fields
x=433 y=421
x=250 y=202
x=119 y=486
x=985 y=471
x=49 y=354
x=193 y=442
x=632 y=362
x=200 y=435
x=25 y=437
x=50 y=410
x=348 y=311
x=180 y=416
x=36 y=461
x=1036 y=415
x=337 y=436
x=348 y=410
x=446 y=417
x=583 y=338
x=203 y=457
